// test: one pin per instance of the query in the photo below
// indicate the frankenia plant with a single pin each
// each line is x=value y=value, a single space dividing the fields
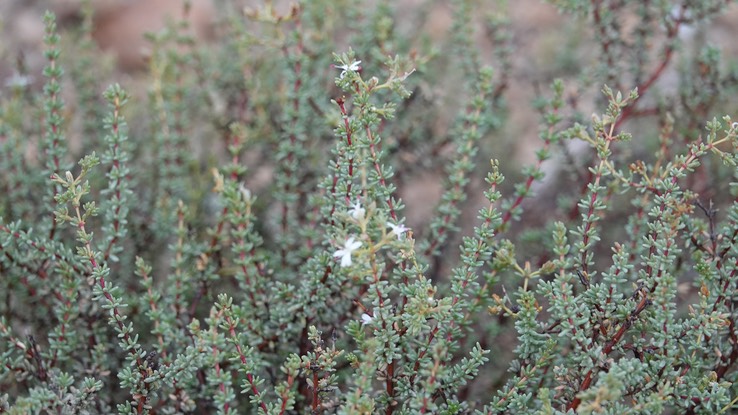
x=234 y=240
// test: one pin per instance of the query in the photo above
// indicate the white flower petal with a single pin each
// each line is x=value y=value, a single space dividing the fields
x=352 y=245
x=245 y=192
x=357 y=212
x=353 y=66
x=397 y=229
x=349 y=246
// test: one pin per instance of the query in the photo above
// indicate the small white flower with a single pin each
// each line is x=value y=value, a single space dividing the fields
x=245 y=192
x=357 y=212
x=397 y=229
x=350 y=246
x=734 y=126
x=354 y=66
x=366 y=319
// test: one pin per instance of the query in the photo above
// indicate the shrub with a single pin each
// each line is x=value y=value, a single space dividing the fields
x=160 y=274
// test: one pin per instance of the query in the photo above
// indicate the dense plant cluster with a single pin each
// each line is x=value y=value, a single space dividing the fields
x=242 y=247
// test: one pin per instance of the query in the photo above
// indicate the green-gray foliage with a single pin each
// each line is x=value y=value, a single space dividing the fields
x=158 y=275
